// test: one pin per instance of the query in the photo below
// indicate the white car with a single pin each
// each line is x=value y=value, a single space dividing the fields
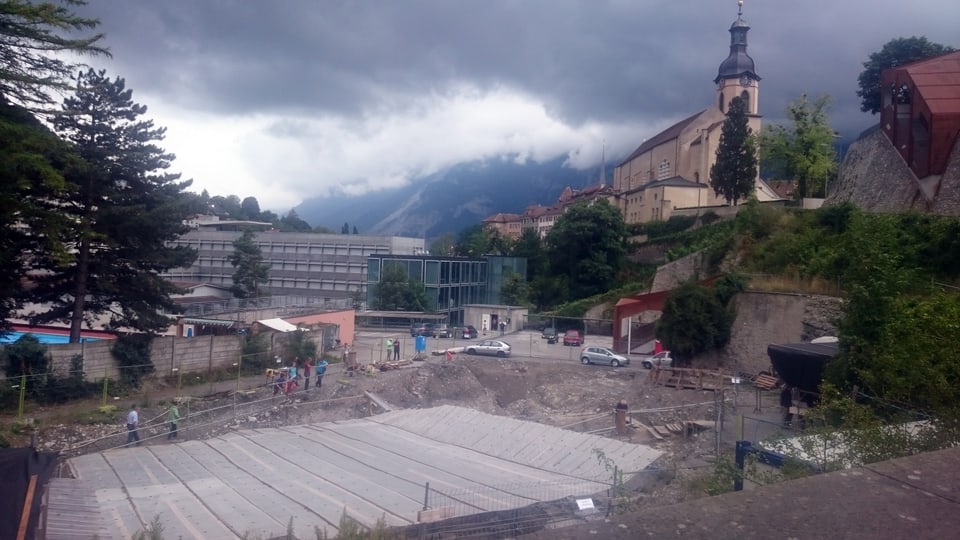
x=491 y=347
x=661 y=359
x=592 y=354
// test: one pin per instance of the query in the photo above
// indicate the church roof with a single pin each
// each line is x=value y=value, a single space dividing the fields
x=673 y=181
x=671 y=132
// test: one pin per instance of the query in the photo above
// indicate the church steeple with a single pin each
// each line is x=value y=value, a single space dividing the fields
x=737 y=75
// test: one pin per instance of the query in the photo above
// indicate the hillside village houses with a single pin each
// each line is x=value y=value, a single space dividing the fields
x=670 y=171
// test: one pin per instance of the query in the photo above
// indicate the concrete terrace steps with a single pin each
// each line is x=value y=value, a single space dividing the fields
x=72 y=512
x=520 y=441
x=252 y=481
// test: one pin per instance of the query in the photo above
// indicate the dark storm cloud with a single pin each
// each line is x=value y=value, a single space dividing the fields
x=376 y=91
x=585 y=60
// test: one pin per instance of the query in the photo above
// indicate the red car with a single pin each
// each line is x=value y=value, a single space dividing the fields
x=572 y=338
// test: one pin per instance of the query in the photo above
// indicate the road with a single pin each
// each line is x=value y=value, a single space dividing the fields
x=370 y=346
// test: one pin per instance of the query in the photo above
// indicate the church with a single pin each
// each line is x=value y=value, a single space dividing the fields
x=670 y=171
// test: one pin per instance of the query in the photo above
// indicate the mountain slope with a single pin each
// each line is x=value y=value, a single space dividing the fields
x=448 y=201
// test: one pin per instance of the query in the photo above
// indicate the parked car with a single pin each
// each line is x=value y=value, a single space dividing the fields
x=442 y=331
x=549 y=333
x=491 y=347
x=466 y=332
x=572 y=338
x=661 y=359
x=602 y=355
x=421 y=329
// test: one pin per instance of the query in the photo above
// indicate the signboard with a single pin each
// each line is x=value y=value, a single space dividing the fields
x=585 y=504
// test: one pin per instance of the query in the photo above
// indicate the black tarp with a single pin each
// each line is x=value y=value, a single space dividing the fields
x=17 y=465
x=801 y=364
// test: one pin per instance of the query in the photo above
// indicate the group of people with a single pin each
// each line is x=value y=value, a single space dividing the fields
x=393 y=349
x=133 y=423
x=289 y=378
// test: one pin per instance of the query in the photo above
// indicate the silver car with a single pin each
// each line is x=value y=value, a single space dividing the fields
x=602 y=355
x=491 y=347
x=661 y=359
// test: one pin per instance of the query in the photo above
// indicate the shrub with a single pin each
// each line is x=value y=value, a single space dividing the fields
x=132 y=353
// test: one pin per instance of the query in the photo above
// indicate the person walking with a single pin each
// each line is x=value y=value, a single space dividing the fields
x=173 y=416
x=396 y=349
x=292 y=376
x=786 y=405
x=321 y=369
x=307 y=372
x=133 y=420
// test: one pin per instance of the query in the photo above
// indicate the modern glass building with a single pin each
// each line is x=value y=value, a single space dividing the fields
x=450 y=282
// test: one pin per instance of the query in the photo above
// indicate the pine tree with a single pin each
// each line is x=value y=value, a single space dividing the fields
x=32 y=168
x=124 y=211
x=250 y=270
x=29 y=33
x=734 y=173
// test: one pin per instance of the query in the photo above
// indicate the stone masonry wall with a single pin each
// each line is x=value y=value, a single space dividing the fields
x=770 y=318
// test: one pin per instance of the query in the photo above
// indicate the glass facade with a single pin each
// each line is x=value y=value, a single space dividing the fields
x=449 y=282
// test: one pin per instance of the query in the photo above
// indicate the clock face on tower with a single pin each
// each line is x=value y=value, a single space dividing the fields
x=745 y=80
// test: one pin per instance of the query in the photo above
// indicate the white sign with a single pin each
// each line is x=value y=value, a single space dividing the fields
x=585 y=504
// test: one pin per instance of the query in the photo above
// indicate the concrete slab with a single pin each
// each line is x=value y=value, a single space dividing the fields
x=252 y=481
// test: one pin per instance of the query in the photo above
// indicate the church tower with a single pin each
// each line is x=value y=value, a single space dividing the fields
x=737 y=75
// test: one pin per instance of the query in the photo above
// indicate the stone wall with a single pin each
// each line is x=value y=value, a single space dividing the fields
x=770 y=318
x=874 y=176
x=674 y=273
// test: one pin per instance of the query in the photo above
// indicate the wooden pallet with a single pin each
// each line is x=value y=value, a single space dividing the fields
x=690 y=378
x=766 y=382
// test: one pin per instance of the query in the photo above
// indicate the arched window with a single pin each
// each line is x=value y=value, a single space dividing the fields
x=720 y=103
x=745 y=96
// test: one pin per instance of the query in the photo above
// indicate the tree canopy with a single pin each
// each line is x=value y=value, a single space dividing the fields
x=396 y=291
x=802 y=151
x=695 y=319
x=895 y=52
x=31 y=34
x=734 y=173
x=33 y=165
x=124 y=209
x=587 y=247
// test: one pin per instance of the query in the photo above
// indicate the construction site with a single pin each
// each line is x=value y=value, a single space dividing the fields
x=452 y=445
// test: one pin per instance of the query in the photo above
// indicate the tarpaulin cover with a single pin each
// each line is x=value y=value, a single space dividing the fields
x=801 y=364
x=17 y=465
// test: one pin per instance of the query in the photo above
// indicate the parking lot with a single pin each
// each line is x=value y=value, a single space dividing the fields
x=370 y=346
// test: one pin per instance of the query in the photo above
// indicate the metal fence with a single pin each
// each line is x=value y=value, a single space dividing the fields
x=508 y=510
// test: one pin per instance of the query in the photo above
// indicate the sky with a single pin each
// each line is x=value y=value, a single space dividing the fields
x=286 y=100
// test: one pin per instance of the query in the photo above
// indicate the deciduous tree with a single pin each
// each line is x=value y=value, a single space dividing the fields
x=804 y=149
x=694 y=320
x=895 y=52
x=530 y=246
x=396 y=291
x=735 y=171
x=587 y=246
x=442 y=246
x=124 y=211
